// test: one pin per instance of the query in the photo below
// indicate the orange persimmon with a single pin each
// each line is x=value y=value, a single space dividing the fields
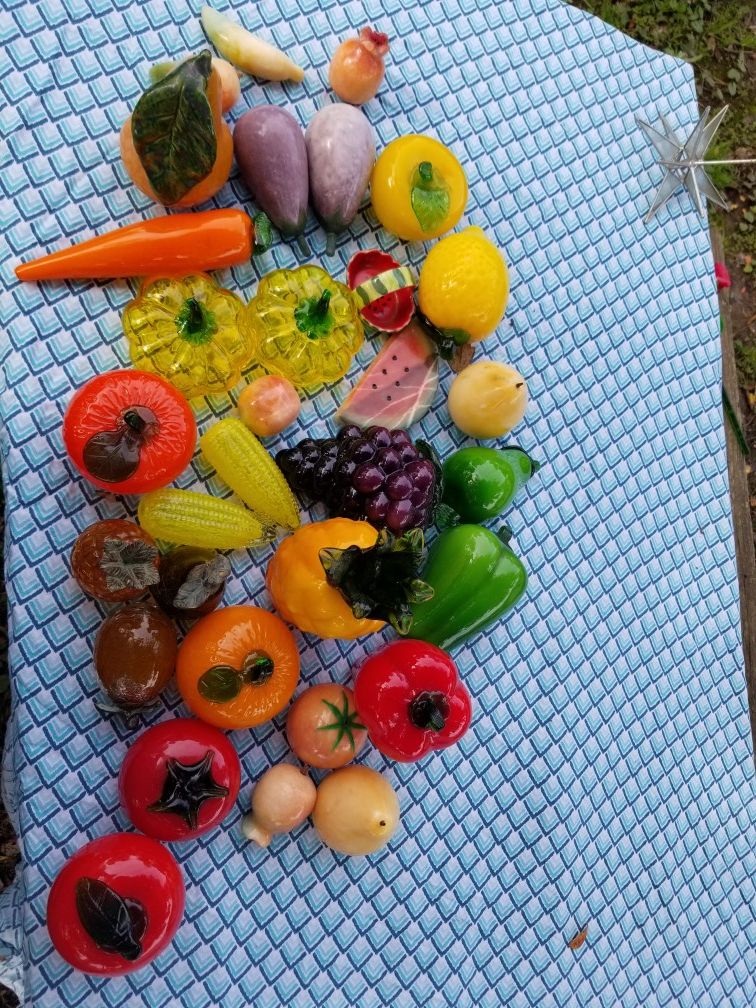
x=211 y=183
x=237 y=667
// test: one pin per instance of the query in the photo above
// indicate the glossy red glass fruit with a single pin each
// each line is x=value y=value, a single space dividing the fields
x=115 y=904
x=179 y=779
x=129 y=431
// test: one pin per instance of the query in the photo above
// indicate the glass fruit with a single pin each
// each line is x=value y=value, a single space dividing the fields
x=356 y=811
x=135 y=654
x=115 y=561
x=488 y=399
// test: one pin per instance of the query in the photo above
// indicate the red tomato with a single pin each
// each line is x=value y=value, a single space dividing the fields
x=323 y=727
x=179 y=779
x=115 y=904
x=129 y=431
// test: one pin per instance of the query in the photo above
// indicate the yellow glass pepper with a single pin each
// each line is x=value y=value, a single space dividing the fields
x=305 y=326
x=418 y=188
x=191 y=331
x=342 y=578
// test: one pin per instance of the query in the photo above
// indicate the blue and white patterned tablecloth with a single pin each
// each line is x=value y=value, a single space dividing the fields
x=607 y=779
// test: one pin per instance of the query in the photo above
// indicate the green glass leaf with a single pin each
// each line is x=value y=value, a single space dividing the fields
x=313 y=316
x=429 y=196
x=174 y=130
x=263 y=233
x=220 y=684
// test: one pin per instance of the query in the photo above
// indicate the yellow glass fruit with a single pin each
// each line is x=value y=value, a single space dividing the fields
x=418 y=188
x=487 y=399
x=356 y=811
x=191 y=332
x=305 y=326
x=464 y=285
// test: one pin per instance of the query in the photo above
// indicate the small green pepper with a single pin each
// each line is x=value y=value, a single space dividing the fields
x=475 y=578
x=480 y=482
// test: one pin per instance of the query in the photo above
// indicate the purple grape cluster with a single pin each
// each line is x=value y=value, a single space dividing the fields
x=377 y=474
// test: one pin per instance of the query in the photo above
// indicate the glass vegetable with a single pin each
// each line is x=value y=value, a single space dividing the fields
x=179 y=779
x=129 y=431
x=116 y=904
x=475 y=578
x=270 y=151
x=342 y=578
x=323 y=727
x=191 y=332
x=172 y=245
x=281 y=800
x=242 y=462
x=189 y=518
x=238 y=667
x=341 y=152
x=246 y=51
x=418 y=188
x=479 y=483
x=305 y=326
x=115 y=561
x=411 y=699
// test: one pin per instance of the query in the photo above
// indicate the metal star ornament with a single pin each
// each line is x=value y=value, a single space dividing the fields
x=684 y=161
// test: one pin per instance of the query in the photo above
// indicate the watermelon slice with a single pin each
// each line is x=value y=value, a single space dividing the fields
x=399 y=386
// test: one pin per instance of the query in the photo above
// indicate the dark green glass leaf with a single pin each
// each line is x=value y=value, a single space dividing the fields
x=263 y=233
x=174 y=130
x=220 y=684
x=114 y=923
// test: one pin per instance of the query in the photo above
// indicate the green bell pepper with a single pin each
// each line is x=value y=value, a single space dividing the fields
x=475 y=578
x=480 y=482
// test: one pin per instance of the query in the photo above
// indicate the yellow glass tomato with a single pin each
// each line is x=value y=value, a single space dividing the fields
x=419 y=189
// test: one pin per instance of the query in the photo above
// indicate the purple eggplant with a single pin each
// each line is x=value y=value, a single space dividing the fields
x=270 y=150
x=341 y=153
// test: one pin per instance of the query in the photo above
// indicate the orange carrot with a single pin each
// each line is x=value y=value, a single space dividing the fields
x=173 y=245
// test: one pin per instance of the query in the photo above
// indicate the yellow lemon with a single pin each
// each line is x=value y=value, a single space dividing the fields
x=464 y=284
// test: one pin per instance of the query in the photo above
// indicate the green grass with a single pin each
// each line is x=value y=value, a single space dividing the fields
x=745 y=355
x=719 y=38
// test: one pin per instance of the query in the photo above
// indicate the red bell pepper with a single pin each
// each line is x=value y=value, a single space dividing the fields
x=410 y=698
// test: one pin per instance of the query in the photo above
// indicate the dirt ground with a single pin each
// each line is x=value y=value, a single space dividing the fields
x=719 y=38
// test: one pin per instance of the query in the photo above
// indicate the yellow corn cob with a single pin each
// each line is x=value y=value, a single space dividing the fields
x=242 y=462
x=196 y=519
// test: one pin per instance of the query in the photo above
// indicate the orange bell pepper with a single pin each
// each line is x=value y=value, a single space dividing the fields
x=174 y=245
